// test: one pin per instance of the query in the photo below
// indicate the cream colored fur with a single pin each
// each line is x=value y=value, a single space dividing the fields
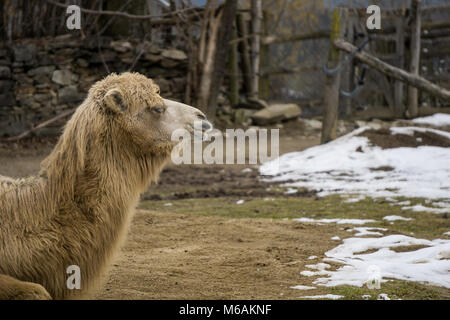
x=77 y=210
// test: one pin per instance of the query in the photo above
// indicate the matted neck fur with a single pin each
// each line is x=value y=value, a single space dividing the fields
x=77 y=210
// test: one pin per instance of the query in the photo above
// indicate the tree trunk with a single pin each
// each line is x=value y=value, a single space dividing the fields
x=331 y=94
x=244 y=49
x=257 y=15
x=223 y=37
x=413 y=97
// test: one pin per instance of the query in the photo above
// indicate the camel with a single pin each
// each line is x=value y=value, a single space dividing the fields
x=77 y=209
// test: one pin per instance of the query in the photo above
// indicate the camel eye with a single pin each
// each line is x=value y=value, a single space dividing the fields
x=158 y=110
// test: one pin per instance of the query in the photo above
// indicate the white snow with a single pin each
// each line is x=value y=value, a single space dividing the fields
x=437 y=119
x=291 y=191
x=447 y=233
x=355 y=199
x=240 y=201
x=396 y=218
x=300 y=287
x=383 y=296
x=324 y=296
x=427 y=265
x=338 y=221
x=312 y=257
x=365 y=231
x=420 y=208
x=336 y=238
x=337 y=167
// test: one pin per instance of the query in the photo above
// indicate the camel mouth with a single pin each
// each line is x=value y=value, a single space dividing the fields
x=199 y=128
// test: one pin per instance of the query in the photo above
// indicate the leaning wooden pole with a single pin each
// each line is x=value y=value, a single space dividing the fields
x=394 y=72
x=333 y=80
x=257 y=16
x=413 y=97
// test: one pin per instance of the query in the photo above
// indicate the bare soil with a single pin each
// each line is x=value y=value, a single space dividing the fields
x=175 y=256
x=384 y=139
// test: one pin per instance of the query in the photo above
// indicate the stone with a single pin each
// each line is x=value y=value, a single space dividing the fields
x=164 y=85
x=41 y=71
x=169 y=63
x=62 y=77
x=25 y=90
x=174 y=54
x=178 y=84
x=276 y=112
x=24 y=53
x=5 y=72
x=41 y=97
x=22 y=78
x=82 y=63
x=107 y=56
x=7 y=100
x=152 y=58
x=121 y=46
x=68 y=94
x=6 y=86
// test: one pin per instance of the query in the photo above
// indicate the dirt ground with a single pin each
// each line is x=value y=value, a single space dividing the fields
x=185 y=255
x=174 y=256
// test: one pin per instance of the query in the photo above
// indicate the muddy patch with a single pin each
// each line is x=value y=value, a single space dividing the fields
x=385 y=139
x=203 y=181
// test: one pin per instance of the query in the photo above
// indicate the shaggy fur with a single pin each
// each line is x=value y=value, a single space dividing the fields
x=76 y=211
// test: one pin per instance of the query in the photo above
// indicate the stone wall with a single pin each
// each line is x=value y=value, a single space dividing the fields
x=40 y=78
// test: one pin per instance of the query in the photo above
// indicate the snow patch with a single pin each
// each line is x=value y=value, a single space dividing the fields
x=437 y=120
x=426 y=265
x=396 y=218
x=421 y=208
x=339 y=167
x=338 y=221
x=299 y=287
x=365 y=231
x=324 y=296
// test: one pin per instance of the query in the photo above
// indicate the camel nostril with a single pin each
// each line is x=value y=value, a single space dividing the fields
x=206 y=125
x=201 y=116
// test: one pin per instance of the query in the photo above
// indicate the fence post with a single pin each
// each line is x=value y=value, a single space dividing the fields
x=349 y=69
x=241 y=24
x=416 y=5
x=331 y=93
x=399 y=107
x=233 y=69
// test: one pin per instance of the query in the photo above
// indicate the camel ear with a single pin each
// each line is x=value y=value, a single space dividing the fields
x=114 y=101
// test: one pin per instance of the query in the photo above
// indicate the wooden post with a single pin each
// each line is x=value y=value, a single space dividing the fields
x=416 y=6
x=331 y=94
x=244 y=49
x=394 y=72
x=349 y=70
x=234 y=70
x=399 y=86
x=257 y=16
x=264 y=84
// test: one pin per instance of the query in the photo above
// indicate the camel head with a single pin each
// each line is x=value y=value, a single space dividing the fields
x=143 y=116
